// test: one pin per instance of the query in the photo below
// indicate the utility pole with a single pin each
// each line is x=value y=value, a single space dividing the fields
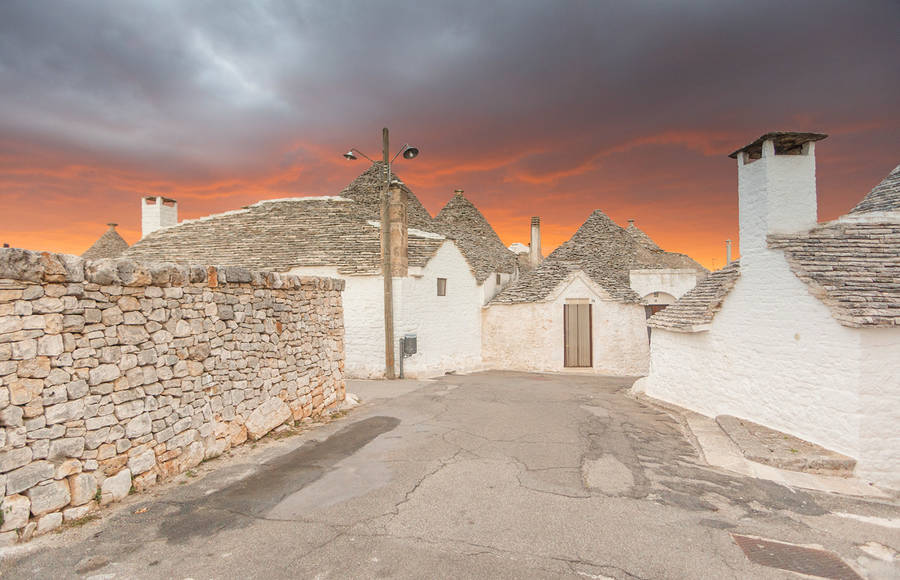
x=386 y=269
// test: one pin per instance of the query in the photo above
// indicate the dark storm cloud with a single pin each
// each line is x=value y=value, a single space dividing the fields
x=209 y=81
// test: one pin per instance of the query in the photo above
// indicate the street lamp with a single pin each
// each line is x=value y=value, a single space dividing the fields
x=408 y=152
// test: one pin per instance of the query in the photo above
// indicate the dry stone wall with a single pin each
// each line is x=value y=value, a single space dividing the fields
x=115 y=374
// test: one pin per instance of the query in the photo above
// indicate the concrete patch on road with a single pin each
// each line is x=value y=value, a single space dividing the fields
x=607 y=475
x=597 y=411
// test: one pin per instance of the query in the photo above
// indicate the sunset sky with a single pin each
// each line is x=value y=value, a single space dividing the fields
x=549 y=108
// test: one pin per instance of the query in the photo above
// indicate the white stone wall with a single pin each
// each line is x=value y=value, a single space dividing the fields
x=448 y=328
x=879 y=388
x=776 y=356
x=529 y=336
x=676 y=282
x=490 y=288
x=114 y=374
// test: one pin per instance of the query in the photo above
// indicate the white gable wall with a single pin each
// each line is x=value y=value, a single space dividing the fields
x=490 y=288
x=448 y=328
x=879 y=454
x=674 y=281
x=529 y=336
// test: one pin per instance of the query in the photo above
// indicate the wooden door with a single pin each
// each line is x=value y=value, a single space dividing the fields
x=578 y=339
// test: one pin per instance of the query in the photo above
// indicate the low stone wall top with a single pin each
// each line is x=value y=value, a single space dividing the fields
x=46 y=267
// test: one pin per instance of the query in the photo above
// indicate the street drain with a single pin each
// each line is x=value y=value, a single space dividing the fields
x=794 y=558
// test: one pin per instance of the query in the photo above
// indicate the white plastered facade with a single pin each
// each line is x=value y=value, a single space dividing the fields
x=775 y=355
x=447 y=328
x=529 y=336
x=667 y=283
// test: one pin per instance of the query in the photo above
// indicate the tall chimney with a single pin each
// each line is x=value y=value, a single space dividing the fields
x=156 y=213
x=535 y=248
x=399 y=234
x=727 y=252
x=776 y=188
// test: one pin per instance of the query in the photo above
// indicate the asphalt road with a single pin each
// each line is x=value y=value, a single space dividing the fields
x=492 y=475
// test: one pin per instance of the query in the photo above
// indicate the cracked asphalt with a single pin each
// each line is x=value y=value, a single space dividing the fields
x=490 y=475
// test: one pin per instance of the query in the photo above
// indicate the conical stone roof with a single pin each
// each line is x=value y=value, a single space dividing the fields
x=461 y=221
x=367 y=190
x=884 y=197
x=605 y=252
x=109 y=245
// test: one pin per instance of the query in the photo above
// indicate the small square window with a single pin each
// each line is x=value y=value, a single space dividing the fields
x=442 y=286
x=497 y=279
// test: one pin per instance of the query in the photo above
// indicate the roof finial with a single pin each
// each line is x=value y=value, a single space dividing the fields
x=112 y=225
x=631 y=223
x=458 y=191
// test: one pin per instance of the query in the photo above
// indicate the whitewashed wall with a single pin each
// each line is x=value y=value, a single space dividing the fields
x=529 y=336
x=676 y=282
x=776 y=356
x=489 y=287
x=448 y=328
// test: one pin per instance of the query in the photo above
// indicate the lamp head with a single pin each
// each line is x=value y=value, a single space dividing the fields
x=350 y=156
x=410 y=152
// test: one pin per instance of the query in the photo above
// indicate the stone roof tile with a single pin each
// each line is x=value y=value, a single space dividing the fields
x=602 y=250
x=884 y=197
x=109 y=245
x=698 y=306
x=461 y=221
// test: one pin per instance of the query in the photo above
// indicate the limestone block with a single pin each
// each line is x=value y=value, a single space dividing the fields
x=142 y=462
x=28 y=476
x=61 y=449
x=76 y=513
x=35 y=368
x=138 y=426
x=14 y=458
x=77 y=389
x=50 y=345
x=24 y=349
x=67 y=467
x=116 y=487
x=65 y=412
x=11 y=417
x=16 y=510
x=112 y=316
x=10 y=324
x=129 y=409
x=48 y=523
x=82 y=487
x=22 y=391
x=128 y=304
x=132 y=334
x=266 y=417
x=104 y=374
x=48 y=497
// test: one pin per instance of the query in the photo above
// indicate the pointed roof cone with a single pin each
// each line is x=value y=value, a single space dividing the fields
x=109 y=245
x=367 y=189
x=461 y=221
x=884 y=197
x=641 y=236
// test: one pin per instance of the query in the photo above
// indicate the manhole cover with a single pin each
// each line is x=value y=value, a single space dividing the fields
x=809 y=561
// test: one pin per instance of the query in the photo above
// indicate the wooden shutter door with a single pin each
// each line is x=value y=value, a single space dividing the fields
x=578 y=335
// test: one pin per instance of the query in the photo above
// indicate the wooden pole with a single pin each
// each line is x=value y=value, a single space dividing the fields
x=386 y=269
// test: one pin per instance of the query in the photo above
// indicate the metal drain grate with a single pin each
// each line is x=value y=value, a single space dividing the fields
x=794 y=558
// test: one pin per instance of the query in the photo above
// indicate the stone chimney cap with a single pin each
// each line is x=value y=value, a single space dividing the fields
x=458 y=191
x=112 y=225
x=164 y=199
x=535 y=221
x=786 y=143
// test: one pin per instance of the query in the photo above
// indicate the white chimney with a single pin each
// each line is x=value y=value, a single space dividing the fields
x=727 y=252
x=776 y=187
x=157 y=213
x=535 y=255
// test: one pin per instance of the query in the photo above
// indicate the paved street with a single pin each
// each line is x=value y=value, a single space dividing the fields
x=493 y=475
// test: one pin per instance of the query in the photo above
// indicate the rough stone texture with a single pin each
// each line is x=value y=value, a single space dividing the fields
x=113 y=366
x=884 y=197
x=696 y=309
x=16 y=510
x=109 y=245
x=283 y=234
x=116 y=487
x=461 y=221
x=266 y=417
